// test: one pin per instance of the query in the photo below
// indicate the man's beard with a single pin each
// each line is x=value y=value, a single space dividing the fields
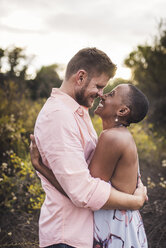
x=81 y=99
x=80 y=96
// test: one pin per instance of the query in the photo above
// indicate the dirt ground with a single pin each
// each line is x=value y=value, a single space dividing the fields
x=20 y=229
x=154 y=218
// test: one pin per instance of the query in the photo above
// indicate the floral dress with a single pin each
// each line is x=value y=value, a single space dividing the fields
x=119 y=229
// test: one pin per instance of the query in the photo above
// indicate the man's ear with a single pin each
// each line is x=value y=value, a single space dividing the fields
x=123 y=111
x=81 y=76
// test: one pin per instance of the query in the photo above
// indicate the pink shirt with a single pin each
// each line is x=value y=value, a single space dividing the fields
x=66 y=140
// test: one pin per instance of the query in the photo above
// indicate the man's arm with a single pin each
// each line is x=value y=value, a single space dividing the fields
x=123 y=201
x=116 y=199
x=59 y=141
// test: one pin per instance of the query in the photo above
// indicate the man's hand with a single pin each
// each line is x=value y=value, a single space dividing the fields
x=34 y=152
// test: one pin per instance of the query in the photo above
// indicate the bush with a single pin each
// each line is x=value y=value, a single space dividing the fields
x=20 y=187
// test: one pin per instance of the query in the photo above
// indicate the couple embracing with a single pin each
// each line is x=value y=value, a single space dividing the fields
x=92 y=185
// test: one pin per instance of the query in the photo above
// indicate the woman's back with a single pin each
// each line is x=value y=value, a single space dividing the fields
x=118 y=228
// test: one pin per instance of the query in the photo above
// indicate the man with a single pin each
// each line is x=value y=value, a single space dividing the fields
x=66 y=141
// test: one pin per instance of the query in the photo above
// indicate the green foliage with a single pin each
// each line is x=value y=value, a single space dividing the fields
x=17 y=120
x=148 y=65
x=18 y=179
x=17 y=62
x=14 y=64
x=97 y=123
x=20 y=188
x=147 y=144
x=46 y=79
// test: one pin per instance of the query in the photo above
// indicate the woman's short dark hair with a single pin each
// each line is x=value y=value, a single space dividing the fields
x=93 y=61
x=138 y=104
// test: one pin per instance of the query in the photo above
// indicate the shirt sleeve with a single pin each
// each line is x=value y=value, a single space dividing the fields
x=59 y=139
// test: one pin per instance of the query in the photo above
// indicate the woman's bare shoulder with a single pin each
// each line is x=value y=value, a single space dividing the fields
x=117 y=135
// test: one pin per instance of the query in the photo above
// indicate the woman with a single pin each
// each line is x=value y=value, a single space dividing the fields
x=117 y=109
x=115 y=159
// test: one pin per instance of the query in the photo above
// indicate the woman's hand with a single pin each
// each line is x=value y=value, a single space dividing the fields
x=40 y=167
x=141 y=193
x=35 y=155
x=123 y=201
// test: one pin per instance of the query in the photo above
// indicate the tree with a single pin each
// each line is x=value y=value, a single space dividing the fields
x=148 y=64
x=14 y=64
x=20 y=188
x=46 y=79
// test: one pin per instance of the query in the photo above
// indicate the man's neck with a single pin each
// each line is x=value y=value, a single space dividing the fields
x=67 y=88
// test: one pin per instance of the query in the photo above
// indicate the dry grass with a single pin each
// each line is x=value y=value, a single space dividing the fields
x=19 y=230
x=154 y=217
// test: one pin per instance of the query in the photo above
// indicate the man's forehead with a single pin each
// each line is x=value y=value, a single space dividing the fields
x=101 y=80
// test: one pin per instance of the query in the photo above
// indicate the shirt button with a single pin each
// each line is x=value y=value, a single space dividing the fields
x=80 y=111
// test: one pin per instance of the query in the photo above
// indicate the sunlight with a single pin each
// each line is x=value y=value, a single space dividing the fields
x=123 y=72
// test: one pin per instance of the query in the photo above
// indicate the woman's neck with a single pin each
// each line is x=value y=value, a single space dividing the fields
x=108 y=124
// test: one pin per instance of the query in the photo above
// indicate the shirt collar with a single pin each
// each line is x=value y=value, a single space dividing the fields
x=71 y=103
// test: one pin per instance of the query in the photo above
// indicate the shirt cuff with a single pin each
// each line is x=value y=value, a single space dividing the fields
x=100 y=196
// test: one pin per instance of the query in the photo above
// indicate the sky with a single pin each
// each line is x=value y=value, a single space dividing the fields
x=54 y=30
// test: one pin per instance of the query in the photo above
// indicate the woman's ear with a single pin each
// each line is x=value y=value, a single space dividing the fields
x=123 y=111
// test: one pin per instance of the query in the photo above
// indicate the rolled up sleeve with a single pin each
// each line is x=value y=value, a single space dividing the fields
x=60 y=141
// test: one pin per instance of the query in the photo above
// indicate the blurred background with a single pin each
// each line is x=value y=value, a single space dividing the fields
x=37 y=39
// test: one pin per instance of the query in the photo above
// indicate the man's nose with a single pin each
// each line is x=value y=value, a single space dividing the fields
x=104 y=96
x=100 y=92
